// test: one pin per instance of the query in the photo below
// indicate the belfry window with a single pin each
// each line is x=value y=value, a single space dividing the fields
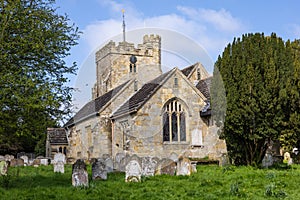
x=174 y=127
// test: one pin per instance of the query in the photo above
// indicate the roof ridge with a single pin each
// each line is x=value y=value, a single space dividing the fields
x=134 y=102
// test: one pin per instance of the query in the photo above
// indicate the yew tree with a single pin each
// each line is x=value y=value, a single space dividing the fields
x=34 y=41
x=261 y=81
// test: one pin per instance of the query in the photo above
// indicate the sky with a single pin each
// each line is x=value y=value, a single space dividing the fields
x=192 y=30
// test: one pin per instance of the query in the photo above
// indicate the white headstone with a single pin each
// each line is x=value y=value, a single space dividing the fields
x=133 y=171
x=59 y=167
x=25 y=158
x=44 y=161
x=184 y=167
x=59 y=157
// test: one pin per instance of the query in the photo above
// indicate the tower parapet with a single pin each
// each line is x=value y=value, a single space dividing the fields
x=113 y=63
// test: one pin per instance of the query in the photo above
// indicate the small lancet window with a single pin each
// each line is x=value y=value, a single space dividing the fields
x=175 y=82
x=198 y=74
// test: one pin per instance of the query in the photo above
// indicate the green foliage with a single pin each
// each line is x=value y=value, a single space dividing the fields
x=261 y=81
x=34 y=40
x=208 y=183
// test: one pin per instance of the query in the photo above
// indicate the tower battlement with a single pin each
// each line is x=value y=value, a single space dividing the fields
x=149 y=42
x=113 y=65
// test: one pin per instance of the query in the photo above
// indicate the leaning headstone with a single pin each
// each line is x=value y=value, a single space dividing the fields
x=25 y=158
x=59 y=167
x=148 y=166
x=133 y=171
x=17 y=162
x=4 y=167
x=99 y=170
x=165 y=166
x=79 y=174
x=184 y=167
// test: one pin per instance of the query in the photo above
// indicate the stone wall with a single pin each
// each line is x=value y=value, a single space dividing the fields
x=141 y=133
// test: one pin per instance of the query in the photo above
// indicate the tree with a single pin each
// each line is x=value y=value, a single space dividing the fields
x=34 y=40
x=257 y=72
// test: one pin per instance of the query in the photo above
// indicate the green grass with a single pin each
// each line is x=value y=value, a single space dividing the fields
x=210 y=182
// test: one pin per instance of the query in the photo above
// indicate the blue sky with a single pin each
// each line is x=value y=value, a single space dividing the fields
x=211 y=24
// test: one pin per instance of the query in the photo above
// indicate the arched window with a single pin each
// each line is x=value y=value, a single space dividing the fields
x=60 y=150
x=174 y=127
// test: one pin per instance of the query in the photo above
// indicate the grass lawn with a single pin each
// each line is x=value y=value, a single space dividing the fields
x=210 y=182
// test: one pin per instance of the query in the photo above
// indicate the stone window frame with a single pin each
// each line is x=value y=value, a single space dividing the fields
x=174 y=122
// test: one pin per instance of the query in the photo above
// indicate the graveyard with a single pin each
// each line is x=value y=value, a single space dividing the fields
x=206 y=182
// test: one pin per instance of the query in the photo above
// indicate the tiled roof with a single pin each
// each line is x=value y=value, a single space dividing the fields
x=186 y=71
x=57 y=136
x=204 y=87
x=141 y=96
x=92 y=107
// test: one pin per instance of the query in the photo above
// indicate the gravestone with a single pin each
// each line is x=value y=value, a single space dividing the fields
x=8 y=157
x=79 y=174
x=36 y=162
x=44 y=161
x=287 y=158
x=59 y=167
x=17 y=162
x=165 y=166
x=184 y=167
x=133 y=171
x=117 y=163
x=123 y=163
x=25 y=158
x=149 y=165
x=174 y=156
x=99 y=170
x=267 y=160
x=109 y=165
x=4 y=167
x=60 y=157
x=59 y=162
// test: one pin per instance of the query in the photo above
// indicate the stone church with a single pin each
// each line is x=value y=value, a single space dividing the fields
x=137 y=109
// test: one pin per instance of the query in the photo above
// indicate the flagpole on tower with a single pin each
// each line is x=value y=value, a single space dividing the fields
x=123 y=11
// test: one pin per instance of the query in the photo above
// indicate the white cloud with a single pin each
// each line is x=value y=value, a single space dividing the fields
x=222 y=20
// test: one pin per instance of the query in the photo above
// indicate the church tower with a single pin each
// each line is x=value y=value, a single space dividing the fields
x=116 y=64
